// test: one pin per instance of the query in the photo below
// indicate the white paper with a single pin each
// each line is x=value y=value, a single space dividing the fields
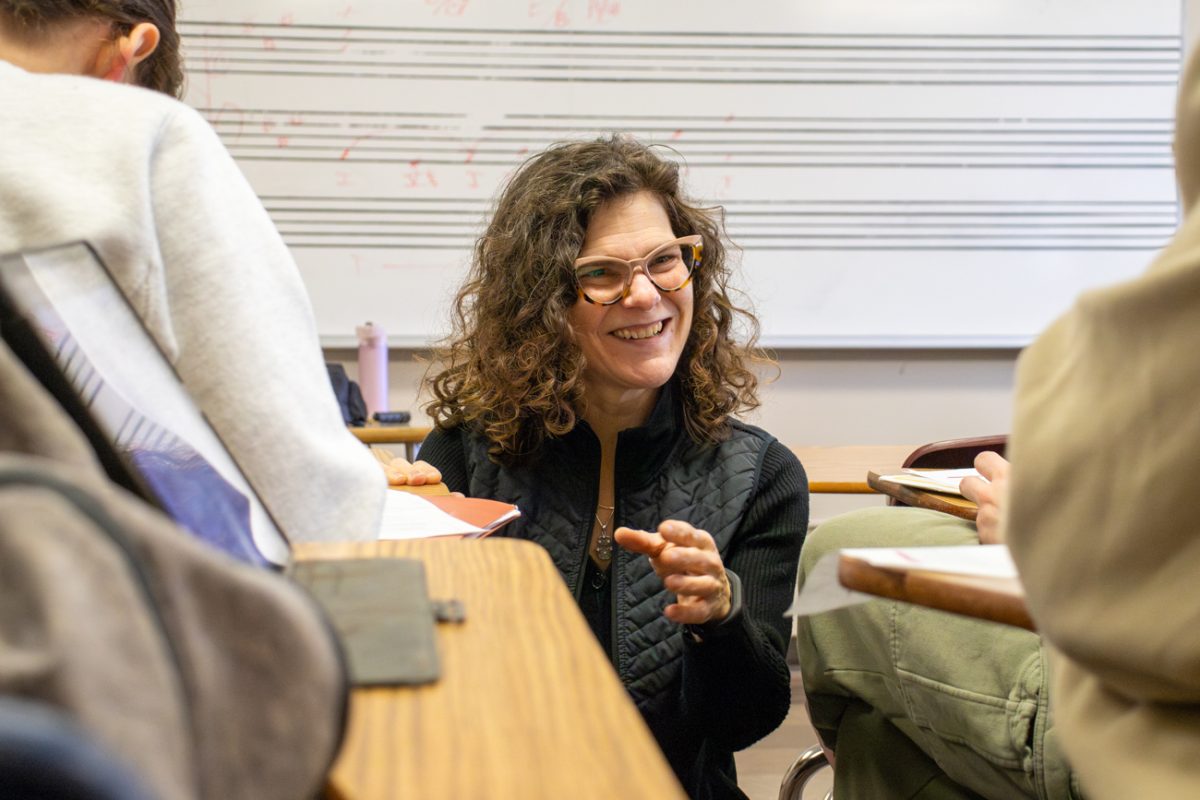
x=981 y=560
x=823 y=592
x=409 y=516
x=934 y=480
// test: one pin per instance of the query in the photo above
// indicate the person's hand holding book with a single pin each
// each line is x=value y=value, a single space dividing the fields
x=989 y=493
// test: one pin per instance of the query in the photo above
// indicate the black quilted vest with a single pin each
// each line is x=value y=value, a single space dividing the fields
x=660 y=474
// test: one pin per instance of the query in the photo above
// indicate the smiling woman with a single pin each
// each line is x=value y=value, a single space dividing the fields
x=592 y=380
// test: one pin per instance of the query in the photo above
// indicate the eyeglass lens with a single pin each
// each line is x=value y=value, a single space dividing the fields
x=668 y=268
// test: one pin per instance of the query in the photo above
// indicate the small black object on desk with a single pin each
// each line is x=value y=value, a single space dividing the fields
x=391 y=417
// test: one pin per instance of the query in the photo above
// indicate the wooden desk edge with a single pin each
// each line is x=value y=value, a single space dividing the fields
x=390 y=434
x=994 y=599
x=839 y=487
x=946 y=503
x=386 y=548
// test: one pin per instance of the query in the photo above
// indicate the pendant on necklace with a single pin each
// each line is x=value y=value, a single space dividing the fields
x=604 y=542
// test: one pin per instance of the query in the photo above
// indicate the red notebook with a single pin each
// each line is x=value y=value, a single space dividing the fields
x=413 y=516
x=486 y=515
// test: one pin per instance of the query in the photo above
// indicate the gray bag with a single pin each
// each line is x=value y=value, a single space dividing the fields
x=210 y=679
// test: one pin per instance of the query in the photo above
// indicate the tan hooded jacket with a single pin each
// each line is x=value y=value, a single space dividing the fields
x=1104 y=510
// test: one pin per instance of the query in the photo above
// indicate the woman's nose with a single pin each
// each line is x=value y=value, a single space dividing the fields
x=642 y=293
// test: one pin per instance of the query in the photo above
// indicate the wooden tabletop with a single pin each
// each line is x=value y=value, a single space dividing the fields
x=527 y=706
x=408 y=435
x=391 y=434
x=994 y=599
x=843 y=470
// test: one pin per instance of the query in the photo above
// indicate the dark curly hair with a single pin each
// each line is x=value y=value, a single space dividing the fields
x=162 y=70
x=511 y=368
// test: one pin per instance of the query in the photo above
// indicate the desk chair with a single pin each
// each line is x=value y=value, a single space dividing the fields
x=45 y=755
x=952 y=454
x=806 y=765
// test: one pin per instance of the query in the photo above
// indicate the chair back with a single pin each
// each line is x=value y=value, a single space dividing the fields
x=954 y=453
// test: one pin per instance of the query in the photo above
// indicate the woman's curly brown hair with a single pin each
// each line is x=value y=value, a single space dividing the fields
x=511 y=368
x=162 y=70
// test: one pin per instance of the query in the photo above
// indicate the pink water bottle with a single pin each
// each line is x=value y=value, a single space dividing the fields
x=373 y=366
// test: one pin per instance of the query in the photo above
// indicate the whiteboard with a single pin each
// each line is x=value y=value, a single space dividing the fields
x=931 y=173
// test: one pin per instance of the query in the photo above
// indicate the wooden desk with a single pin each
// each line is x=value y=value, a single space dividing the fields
x=843 y=470
x=408 y=435
x=527 y=705
x=994 y=599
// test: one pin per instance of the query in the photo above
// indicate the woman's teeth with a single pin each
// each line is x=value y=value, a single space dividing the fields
x=644 y=332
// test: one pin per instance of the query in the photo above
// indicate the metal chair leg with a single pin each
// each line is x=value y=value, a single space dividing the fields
x=806 y=765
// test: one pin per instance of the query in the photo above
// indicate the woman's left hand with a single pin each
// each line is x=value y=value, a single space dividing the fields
x=401 y=473
x=688 y=562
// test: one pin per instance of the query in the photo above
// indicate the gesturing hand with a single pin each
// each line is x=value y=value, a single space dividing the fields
x=688 y=562
x=989 y=495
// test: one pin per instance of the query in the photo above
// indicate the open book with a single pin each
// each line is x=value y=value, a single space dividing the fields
x=933 y=480
x=413 y=516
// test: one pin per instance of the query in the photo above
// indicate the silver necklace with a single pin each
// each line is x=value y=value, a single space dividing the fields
x=604 y=543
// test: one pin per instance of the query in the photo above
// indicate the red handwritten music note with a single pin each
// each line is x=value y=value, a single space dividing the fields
x=238 y=117
x=603 y=10
x=353 y=144
x=448 y=8
x=207 y=71
x=415 y=178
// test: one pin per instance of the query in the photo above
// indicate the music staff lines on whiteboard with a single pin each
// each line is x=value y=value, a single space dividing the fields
x=769 y=224
x=490 y=54
x=378 y=137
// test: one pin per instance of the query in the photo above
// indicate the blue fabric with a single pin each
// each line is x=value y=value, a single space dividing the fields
x=44 y=755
